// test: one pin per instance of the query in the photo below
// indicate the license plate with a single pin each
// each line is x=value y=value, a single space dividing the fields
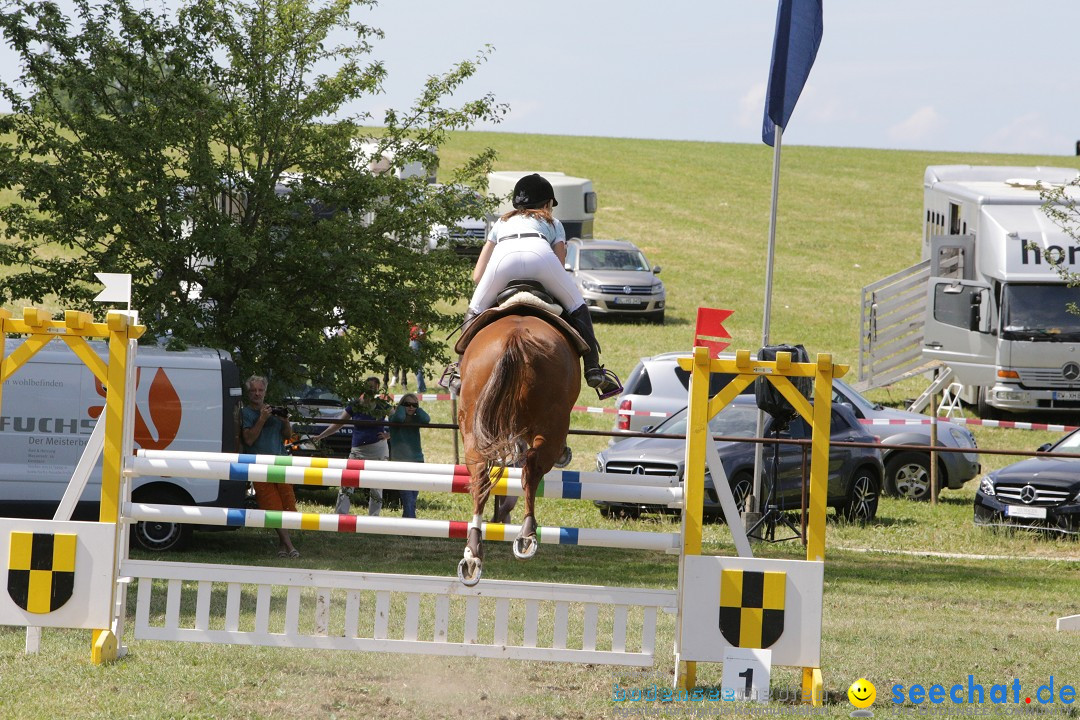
x=1067 y=395
x=627 y=301
x=1023 y=511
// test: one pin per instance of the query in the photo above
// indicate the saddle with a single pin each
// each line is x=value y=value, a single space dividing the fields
x=523 y=297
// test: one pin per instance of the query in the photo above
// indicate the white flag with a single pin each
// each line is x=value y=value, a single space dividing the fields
x=117 y=288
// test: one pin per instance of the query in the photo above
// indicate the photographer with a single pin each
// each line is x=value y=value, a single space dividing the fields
x=369 y=441
x=264 y=432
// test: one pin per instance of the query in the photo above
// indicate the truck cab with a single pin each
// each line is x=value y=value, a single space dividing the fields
x=998 y=309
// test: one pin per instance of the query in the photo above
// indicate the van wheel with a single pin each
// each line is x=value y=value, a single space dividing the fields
x=160 y=536
x=657 y=317
x=985 y=410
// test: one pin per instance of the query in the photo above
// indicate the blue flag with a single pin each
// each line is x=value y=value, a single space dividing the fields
x=798 y=34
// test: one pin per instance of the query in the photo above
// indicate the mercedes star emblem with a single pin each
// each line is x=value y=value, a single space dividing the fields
x=1028 y=494
x=638 y=470
x=1071 y=371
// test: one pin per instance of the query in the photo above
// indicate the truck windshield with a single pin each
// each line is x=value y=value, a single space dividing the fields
x=1041 y=312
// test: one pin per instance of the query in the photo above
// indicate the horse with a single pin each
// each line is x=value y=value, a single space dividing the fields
x=520 y=376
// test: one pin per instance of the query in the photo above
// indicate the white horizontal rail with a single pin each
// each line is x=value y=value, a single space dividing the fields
x=566 y=476
x=547 y=535
x=245 y=472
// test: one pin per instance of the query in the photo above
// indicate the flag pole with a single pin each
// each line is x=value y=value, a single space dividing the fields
x=758 y=447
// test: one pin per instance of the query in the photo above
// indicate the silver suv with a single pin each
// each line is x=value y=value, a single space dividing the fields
x=616 y=279
x=657 y=387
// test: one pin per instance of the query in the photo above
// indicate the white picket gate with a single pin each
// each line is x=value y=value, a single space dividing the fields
x=236 y=605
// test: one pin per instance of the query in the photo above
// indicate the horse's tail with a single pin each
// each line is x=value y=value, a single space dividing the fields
x=498 y=429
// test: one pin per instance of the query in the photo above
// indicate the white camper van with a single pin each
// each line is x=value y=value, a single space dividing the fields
x=577 y=201
x=49 y=406
x=997 y=312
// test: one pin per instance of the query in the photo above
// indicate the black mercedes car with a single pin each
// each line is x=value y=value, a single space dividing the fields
x=1040 y=493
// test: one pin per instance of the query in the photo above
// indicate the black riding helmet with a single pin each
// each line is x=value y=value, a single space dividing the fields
x=532 y=191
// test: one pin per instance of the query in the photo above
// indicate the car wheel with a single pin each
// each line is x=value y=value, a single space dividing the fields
x=907 y=475
x=160 y=536
x=741 y=487
x=657 y=317
x=862 y=496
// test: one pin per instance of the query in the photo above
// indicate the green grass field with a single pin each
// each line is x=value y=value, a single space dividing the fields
x=896 y=611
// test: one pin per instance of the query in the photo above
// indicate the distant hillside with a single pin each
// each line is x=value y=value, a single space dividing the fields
x=846 y=217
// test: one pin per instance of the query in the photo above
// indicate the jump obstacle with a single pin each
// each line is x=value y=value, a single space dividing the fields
x=418 y=614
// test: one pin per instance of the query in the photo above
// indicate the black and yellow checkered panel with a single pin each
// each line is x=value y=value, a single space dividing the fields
x=752 y=607
x=41 y=570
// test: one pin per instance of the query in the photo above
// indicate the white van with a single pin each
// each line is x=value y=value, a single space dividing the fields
x=48 y=408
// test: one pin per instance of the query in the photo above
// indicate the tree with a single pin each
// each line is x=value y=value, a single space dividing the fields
x=208 y=153
x=1061 y=204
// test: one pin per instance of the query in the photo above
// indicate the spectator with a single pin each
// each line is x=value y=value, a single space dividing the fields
x=405 y=443
x=368 y=441
x=264 y=431
x=417 y=335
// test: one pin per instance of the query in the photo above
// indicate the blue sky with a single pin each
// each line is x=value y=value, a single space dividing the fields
x=964 y=75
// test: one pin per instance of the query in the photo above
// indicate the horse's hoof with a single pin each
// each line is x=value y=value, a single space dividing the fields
x=469 y=571
x=524 y=547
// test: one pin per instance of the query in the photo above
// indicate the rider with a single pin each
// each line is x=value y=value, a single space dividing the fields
x=527 y=243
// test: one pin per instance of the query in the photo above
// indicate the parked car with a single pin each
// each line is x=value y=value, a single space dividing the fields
x=1040 y=493
x=855 y=473
x=658 y=385
x=316 y=402
x=616 y=279
x=907 y=472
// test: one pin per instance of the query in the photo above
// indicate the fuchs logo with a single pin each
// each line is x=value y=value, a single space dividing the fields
x=164 y=409
x=752 y=607
x=41 y=570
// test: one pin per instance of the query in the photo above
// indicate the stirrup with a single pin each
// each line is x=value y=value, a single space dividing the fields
x=450 y=379
x=604 y=381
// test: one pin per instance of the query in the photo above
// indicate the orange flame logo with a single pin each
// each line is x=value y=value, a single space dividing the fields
x=165 y=411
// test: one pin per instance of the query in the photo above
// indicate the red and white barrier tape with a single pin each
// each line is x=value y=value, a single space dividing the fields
x=976 y=421
x=923 y=421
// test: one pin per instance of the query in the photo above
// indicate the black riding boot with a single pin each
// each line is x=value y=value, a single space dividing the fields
x=451 y=378
x=605 y=382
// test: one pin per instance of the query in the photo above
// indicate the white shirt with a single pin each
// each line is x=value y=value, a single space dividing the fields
x=523 y=224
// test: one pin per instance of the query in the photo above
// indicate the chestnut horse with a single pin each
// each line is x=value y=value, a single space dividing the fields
x=520 y=377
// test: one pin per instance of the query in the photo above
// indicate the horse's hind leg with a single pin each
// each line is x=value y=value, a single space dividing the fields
x=525 y=543
x=471 y=566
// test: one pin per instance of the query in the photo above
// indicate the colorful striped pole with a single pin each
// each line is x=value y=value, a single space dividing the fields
x=566 y=476
x=585 y=537
x=245 y=472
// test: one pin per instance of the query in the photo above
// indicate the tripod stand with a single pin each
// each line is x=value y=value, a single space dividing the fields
x=773 y=515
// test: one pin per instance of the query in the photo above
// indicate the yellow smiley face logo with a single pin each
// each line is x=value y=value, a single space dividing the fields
x=862 y=693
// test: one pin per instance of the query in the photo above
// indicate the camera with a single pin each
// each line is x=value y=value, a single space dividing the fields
x=280 y=412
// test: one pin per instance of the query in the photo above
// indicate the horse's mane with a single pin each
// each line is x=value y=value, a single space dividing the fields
x=498 y=431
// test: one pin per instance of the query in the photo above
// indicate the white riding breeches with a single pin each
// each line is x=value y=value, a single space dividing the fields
x=525 y=259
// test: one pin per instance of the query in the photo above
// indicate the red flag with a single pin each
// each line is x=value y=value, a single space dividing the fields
x=710 y=324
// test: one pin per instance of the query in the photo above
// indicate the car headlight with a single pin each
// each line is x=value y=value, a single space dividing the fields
x=963 y=437
x=590 y=286
x=657 y=287
x=987 y=486
x=599 y=464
